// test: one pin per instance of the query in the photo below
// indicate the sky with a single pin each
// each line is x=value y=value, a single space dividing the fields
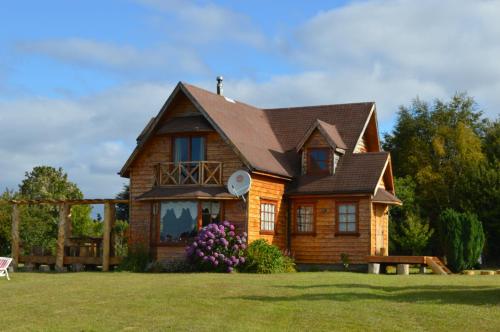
x=80 y=79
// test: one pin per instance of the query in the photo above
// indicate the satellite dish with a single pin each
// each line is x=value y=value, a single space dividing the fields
x=239 y=183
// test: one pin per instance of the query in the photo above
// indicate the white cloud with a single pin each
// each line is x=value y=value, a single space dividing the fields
x=89 y=137
x=207 y=23
x=87 y=52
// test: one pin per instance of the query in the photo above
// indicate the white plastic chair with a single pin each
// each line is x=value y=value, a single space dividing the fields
x=4 y=265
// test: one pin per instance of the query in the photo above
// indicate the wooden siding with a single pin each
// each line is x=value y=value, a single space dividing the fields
x=269 y=189
x=324 y=246
x=158 y=150
x=379 y=225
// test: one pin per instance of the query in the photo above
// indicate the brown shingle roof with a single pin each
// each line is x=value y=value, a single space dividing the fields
x=265 y=139
x=356 y=173
x=196 y=123
x=383 y=196
x=186 y=192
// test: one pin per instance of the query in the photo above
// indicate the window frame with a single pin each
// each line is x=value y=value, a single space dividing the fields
x=337 y=217
x=298 y=204
x=190 y=137
x=155 y=224
x=275 y=204
x=309 y=170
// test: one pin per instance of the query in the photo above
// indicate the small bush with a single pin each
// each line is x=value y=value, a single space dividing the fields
x=137 y=259
x=217 y=248
x=263 y=257
x=344 y=257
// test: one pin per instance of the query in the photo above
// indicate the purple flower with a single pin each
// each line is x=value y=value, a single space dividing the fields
x=231 y=233
x=226 y=223
x=243 y=246
x=242 y=260
x=231 y=227
x=229 y=269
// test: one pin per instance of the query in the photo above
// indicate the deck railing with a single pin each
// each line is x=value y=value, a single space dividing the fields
x=188 y=173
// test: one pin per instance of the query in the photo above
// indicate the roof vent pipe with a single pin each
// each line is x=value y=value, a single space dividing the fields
x=219 y=85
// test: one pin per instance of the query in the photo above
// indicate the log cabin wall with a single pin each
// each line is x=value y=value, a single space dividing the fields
x=324 y=246
x=267 y=189
x=380 y=228
x=159 y=149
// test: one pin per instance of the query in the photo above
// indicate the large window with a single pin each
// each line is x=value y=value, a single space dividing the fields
x=210 y=212
x=347 y=217
x=304 y=218
x=318 y=161
x=188 y=150
x=267 y=216
x=178 y=221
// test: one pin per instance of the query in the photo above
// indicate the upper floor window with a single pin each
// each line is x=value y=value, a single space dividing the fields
x=318 y=161
x=267 y=216
x=189 y=148
x=347 y=217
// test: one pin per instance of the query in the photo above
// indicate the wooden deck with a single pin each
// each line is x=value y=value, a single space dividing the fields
x=433 y=262
x=398 y=259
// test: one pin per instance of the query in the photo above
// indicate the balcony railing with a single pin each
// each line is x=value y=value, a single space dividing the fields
x=188 y=173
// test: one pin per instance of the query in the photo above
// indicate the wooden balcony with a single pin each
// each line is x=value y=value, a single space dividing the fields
x=201 y=173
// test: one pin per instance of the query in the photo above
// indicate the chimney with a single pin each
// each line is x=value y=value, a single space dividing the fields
x=219 y=85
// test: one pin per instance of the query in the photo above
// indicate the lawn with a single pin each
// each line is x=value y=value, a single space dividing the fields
x=322 y=301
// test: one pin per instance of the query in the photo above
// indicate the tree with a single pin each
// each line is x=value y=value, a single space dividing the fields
x=122 y=210
x=450 y=153
x=5 y=222
x=39 y=222
x=463 y=238
x=414 y=235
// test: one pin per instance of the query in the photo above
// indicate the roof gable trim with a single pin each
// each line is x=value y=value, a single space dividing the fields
x=320 y=125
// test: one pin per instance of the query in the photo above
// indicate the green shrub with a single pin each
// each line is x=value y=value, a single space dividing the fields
x=462 y=237
x=262 y=257
x=137 y=259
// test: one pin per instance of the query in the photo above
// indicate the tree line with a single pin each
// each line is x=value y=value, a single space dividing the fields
x=446 y=162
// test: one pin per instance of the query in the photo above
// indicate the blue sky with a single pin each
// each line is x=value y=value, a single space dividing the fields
x=80 y=79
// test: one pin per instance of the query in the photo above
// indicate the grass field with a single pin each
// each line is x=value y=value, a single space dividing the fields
x=323 y=301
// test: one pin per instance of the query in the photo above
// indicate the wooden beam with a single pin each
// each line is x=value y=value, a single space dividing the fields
x=68 y=201
x=109 y=217
x=15 y=236
x=64 y=209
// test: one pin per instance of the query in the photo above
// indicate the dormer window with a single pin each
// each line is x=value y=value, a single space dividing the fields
x=318 y=161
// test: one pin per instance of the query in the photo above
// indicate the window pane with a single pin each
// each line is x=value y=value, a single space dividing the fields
x=351 y=227
x=178 y=220
x=342 y=208
x=318 y=159
x=197 y=148
x=351 y=218
x=343 y=227
x=267 y=217
x=210 y=212
x=181 y=149
x=351 y=208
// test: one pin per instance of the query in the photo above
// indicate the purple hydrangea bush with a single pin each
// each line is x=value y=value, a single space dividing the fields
x=218 y=248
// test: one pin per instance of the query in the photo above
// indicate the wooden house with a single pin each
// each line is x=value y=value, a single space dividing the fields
x=321 y=184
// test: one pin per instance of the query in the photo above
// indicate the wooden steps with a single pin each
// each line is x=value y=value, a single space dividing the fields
x=437 y=266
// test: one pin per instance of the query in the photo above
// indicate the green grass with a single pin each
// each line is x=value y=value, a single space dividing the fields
x=310 y=301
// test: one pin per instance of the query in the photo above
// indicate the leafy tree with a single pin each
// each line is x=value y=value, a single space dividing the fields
x=414 y=235
x=463 y=238
x=5 y=222
x=450 y=154
x=39 y=222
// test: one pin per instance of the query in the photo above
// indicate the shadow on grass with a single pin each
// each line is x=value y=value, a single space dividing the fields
x=468 y=295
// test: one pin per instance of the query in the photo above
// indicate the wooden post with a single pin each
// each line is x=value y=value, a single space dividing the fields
x=64 y=209
x=15 y=236
x=109 y=217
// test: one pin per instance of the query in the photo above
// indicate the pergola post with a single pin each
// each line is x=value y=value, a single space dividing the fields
x=109 y=218
x=15 y=236
x=64 y=210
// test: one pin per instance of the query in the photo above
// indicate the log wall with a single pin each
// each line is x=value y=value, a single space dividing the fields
x=324 y=246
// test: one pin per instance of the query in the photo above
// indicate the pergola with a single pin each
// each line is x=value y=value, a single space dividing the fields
x=64 y=231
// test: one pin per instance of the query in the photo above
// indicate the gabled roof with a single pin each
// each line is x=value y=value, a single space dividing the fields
x=356 y=173
x=385 y=197
x=328 y=131
x=266 y=139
